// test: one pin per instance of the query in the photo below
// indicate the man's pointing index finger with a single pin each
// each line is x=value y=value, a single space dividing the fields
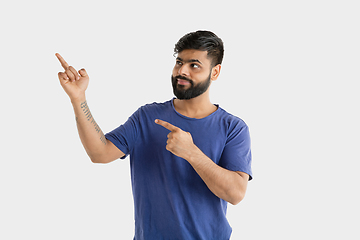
x=64 y=64
x=166 y=125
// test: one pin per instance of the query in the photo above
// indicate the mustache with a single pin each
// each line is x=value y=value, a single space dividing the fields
x=183 y=78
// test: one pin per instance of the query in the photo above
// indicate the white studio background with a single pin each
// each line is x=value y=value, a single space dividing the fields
x=291 y=71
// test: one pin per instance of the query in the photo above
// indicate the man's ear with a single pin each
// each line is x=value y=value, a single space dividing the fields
x=215 y=72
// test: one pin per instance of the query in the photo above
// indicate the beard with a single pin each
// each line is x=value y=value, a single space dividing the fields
x=193 y=91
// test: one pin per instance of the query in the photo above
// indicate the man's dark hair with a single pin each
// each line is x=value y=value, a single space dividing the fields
x=203 y=41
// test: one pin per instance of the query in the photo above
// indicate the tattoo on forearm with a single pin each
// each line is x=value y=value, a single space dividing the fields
x=102 y=138
x=89 y=117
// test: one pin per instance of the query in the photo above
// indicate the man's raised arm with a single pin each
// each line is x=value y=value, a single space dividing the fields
x=99 y=149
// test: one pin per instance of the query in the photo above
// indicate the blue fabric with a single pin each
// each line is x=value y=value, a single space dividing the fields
x=171 y=200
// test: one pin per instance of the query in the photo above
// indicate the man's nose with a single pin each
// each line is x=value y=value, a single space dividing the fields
x=183 y=70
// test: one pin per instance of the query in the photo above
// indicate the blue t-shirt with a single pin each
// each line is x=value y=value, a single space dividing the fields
x=171 y=201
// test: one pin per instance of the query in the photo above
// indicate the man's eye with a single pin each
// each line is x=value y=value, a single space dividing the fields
x=195 y=66
x=178 y=63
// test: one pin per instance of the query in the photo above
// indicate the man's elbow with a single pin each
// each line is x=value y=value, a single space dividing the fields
x=95 y=160
x=238 y=191
x=99 y=159
x=237 y=198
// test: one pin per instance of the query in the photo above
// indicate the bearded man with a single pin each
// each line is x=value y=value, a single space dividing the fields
x=188 y=157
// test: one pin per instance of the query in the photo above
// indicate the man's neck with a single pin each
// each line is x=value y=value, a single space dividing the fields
x=198 y=107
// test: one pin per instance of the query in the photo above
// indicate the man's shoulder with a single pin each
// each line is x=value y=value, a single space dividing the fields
x=155 y=105
x=155 y=108
x=230 y=118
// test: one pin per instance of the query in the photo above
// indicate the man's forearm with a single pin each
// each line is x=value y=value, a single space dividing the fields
x=225 y=184
x=91 y=136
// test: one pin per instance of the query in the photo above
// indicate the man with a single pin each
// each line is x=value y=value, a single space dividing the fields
x=188 y=157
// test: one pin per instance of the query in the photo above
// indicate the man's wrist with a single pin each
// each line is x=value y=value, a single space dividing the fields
x=194 y=155
x=78 y=100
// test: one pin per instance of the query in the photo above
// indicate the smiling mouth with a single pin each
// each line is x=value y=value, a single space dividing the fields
x=183 y=82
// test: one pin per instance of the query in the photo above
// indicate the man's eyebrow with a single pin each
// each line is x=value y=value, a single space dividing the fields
x=189 y=61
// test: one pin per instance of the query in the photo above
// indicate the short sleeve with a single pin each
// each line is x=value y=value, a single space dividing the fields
x=125 y=135
x=236 y=155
